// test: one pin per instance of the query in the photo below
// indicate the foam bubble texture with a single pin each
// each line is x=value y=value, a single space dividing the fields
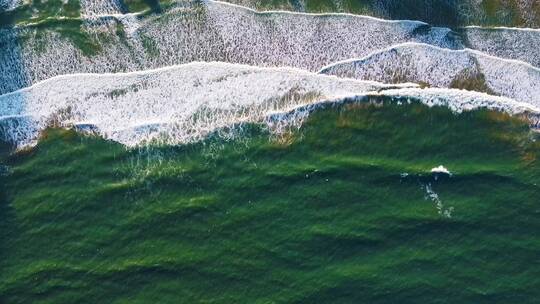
x=176 y=105
x=214 y=31
x=422 y=63
x=513 y=43
x=450 y=11
x=101 y=7
x=210 y=32
x=9 y=4
x=185 y=103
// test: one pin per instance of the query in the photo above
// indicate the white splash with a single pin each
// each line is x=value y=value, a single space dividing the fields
x=441 y=169
x=434 y=197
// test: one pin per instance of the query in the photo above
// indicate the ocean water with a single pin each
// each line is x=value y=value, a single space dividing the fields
x=345 y=209
x=183 y=151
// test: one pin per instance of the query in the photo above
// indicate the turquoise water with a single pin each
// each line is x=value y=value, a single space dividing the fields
x=343 y=210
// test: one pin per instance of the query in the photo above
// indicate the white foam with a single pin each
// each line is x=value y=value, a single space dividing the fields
x=438 y=67
x=467 y=11
x=90 y=8
x=434 y=197
x=210 y=32
x=185 y=103
x=441 y=169
x=250 y=7
x=182 y=103
x=514 y=43
x=7 y=5
x=461 y=100
x=505 y=42
x=216 y=31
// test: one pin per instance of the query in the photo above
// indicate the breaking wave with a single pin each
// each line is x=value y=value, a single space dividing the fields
x=185 y=103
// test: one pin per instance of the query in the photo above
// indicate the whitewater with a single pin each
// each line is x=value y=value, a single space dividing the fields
x=199 y=67
x=182 y=104
x=445 y=68
x=216 y=31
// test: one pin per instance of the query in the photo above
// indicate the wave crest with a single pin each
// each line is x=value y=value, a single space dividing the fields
x=186 y=103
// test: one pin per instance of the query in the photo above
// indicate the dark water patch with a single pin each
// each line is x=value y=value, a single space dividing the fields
x=39 y=10
x=449 y=13
x=142 y=5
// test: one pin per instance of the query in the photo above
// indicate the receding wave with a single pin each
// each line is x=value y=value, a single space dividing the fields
x=438 y=67
x=185 y=103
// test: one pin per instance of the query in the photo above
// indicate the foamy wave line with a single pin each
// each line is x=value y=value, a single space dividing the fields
x=213 y=31
x=468 y=7
x=281 y=11
x=525 y=29
x=176 y=104
x=434 y=47
x=457 y=101
x=185 y=103
x=111 y=9
x=329 y=14
x=445 y=68
x=218 y=31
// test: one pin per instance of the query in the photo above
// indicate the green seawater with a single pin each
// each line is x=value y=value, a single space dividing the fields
x=343 y=210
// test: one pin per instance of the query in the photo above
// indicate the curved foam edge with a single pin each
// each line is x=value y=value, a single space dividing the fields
x=457 y=101
x=218 y=31
x=186 y=103
x=285 y=12
x=465 y=7
x=510 y=28
x=211 y=32
x=445 y=68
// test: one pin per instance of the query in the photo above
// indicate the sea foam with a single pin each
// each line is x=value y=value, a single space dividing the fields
x=211 y=31
x=214 y=31
x=9 y=4
x=513 y=43
x=185 y=103
x=444 y=68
